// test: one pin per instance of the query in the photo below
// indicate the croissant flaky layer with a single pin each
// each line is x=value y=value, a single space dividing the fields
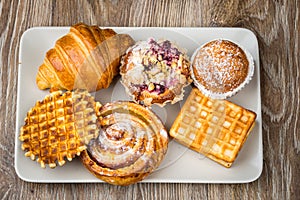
x=88 y=57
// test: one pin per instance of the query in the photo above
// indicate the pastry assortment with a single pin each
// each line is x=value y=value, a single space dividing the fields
x=122 y=142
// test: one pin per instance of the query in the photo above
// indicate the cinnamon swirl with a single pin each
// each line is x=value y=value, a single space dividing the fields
x=131 y=144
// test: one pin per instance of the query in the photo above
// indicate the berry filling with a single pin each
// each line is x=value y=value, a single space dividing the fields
x=163 y=52
x=152 y=88
x=155 y=67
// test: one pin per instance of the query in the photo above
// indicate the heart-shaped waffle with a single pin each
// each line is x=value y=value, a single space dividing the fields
x=59 y=127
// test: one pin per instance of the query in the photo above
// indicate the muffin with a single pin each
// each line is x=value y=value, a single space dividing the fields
x=155 y=72
x=221 y=68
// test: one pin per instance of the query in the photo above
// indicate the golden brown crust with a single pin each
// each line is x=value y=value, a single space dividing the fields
x=59 y=127
x=86 y=58
x=213 y=127
x=114 y=179
x=166 y=96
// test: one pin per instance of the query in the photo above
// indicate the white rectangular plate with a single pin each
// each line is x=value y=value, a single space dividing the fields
x=180 y=164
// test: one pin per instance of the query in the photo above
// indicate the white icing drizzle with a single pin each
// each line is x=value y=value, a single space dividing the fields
x=129 y=140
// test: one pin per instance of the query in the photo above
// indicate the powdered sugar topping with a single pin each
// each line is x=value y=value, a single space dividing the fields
x=220 y=68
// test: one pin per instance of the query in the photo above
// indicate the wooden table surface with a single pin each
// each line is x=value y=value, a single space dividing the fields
x=276 y=24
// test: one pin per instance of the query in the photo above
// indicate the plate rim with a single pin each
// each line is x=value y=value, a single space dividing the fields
x=259 y=115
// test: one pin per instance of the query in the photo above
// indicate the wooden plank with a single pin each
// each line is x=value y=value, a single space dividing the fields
x=277 y=26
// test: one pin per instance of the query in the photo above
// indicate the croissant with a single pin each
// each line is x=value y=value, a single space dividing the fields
x=88 y=57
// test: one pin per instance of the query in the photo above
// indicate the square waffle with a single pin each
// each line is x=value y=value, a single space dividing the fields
x=215 y=128
x=59 y=127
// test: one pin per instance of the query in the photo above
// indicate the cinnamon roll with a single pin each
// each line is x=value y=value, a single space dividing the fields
x=131 y=144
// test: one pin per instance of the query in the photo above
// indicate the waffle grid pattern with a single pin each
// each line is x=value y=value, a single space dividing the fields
x=215 y=128
x=58 y=127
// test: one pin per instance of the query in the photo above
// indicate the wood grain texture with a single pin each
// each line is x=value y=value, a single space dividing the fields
x=276 y=24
